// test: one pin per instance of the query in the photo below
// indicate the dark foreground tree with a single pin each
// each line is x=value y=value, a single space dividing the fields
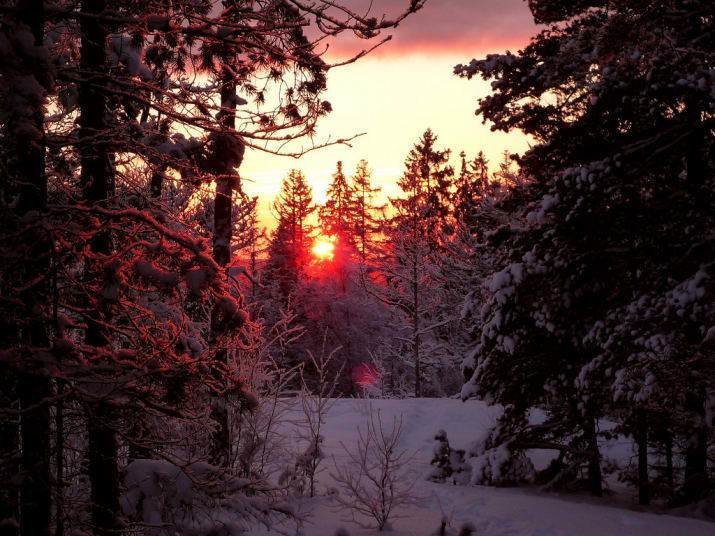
x=100 y=279
x=603 y=304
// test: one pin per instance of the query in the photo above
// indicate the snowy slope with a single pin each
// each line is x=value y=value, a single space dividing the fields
x=494 y=512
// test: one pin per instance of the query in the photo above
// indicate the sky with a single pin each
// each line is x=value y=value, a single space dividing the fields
x=398 y=91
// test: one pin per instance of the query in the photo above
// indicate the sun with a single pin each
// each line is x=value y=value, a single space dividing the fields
x=324 y=248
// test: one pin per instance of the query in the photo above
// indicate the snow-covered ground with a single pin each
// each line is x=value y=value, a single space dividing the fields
x=494 y=512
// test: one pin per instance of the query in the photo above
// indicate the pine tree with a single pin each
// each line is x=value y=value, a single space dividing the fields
x=605 y=286
x=427 y=185
x=471 y=186
x=365 y=211
x=415 y=235
x=505 y=174
x=288 y=249
x=335 y=215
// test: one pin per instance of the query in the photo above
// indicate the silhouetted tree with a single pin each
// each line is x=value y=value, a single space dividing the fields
x=365 y=211
x=290 y=242
x=604 y=290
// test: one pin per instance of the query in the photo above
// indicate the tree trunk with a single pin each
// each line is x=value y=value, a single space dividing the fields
x=157 y=182
x=416 y=328
x=595 y=480
x=59 y=463
x=35 y=443
x=9 y=451
x=34 y=388
x=97 y=178
x=668 y=441
x=29 y=146
x=696 y=482
x=642 y=441
x=223 y=231
x=97 y=173
x=103 y=471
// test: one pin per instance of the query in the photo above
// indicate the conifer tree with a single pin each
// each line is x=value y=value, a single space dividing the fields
x=365 y=212
x=335 y=215
x=288 y=249
x=602 y=299
x=415 y=233
x=471 y=185
x=426 y=183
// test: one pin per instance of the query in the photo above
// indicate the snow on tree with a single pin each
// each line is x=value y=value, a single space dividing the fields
x=406 y=275
x=602 y=299
x=102 y=105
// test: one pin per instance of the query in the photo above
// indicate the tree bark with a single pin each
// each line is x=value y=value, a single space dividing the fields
x=157 y=182
x=416 y=325
x=223 y=231
x=668 y=442
x=34 y=387
x=103 y=471
x=642 y=442
x=59 y=464
x=9 y=454
x=696 y=482
x=595 y=479
x=97 y=176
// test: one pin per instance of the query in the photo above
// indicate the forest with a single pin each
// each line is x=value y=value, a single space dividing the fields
x=521 y=345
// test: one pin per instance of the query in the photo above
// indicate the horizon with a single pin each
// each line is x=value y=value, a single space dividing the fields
x=377 y=95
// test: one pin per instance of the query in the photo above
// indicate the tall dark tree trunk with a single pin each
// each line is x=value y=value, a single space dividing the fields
x=9 y=456
x=103 y=471
x=34 y=387
x=35 y=497
x=97 y=177
x=642 y=442
x=223 y=230
x=59 y=464
x=416 y=327
x=669 y=476
x=696 y=481
x=595 y=479
x=97 y=173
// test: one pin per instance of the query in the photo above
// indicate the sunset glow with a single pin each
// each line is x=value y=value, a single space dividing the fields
x=324 y=248
x=376 y=96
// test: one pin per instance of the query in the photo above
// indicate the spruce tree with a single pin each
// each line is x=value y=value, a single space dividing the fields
x=365 y=212
x=335 y=215
x=427 y=184
x=604 y=294
x=471 y=186
x=416 y=234
x=289 y=245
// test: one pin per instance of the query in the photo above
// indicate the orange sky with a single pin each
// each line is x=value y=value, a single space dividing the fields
x=402 y=89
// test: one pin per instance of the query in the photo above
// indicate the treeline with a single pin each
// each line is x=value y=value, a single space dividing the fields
x=389 y=296
x=128 y=358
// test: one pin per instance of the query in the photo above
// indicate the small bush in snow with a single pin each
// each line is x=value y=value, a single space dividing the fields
x=193 y=500
x=500 y=466
x=372 y=481
x=448 y=463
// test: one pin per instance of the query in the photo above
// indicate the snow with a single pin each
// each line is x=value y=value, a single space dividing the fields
x=493 y=511
x=548 y=202
x=126 y=53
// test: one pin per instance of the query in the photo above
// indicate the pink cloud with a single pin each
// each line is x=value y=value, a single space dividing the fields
x=446 y=27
